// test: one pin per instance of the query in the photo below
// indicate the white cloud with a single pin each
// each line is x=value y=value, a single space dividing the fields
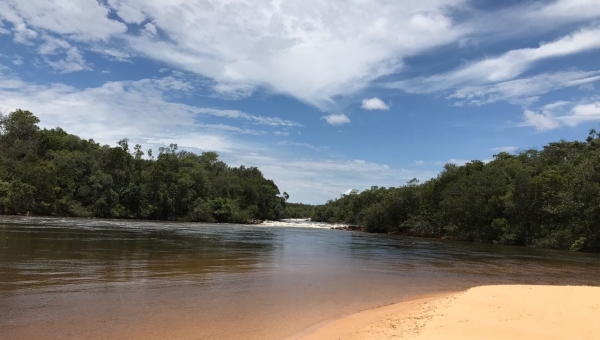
x=458 y=162
x=233 y=91
x=374 y=104
x=78 y=19
x=72 y=62
x=271 y=121
x=337 y=119
x=562 y=113
x=569 y=9
x=24 y=35
x=523 y=90
x=140 y=110
x=302 y=145
x=504 y=67
x=542 y=121
x=126 y=12
x=150 y=30
x=313 y=50
x=509 y=149
x=17 y=60
x=52 y=45
x=317 y=180
x=582 y=112
x=3 y=30
x=112 y=54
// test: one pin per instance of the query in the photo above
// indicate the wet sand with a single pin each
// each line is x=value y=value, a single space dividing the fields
x=486 y=312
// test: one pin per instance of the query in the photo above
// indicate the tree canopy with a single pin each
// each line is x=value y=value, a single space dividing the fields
x=52 y=172
x=548 y=198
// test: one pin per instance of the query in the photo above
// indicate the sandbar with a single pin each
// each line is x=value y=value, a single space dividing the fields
x=485 y=312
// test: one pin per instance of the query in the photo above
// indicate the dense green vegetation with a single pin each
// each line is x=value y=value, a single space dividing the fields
x=51 y=172
x=298 y=210
x=548 y=198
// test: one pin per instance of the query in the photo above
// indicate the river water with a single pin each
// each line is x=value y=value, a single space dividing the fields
x=109 y=279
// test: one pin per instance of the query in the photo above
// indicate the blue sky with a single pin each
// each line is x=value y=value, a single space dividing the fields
x=322 y=96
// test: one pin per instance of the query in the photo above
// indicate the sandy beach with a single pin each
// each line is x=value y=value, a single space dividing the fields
x=486 y=312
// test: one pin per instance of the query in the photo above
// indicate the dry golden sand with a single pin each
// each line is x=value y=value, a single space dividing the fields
x=487 y=312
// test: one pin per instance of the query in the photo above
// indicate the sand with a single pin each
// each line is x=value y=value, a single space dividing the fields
x=487 y=312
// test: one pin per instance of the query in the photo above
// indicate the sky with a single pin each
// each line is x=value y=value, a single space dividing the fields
x=321 y=96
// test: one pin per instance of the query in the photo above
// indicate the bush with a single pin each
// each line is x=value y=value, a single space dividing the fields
x=578 y=245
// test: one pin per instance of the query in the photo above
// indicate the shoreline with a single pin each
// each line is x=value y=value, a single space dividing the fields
x=483 y=312
x=347 y=326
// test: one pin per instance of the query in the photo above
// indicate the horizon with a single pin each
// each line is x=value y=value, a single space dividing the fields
x=321 y=97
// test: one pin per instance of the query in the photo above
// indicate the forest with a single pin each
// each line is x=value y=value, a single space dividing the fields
x=52 y=172
x=548 y=198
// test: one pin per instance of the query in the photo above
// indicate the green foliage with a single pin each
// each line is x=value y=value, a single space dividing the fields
x=547 y=198
x=50 y=172
x=298 y=210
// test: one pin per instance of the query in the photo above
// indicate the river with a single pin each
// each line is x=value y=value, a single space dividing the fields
x=67 y=278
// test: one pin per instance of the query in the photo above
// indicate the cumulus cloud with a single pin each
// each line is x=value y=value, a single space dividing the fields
x=314 y=51
x=540 y=121
x=82 y=20
x=337 y=119
x=311 y=50
x=374 y=104
x=562 y=113
x=582 y=112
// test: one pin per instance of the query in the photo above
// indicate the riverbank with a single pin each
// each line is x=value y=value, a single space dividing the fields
x=486 y=312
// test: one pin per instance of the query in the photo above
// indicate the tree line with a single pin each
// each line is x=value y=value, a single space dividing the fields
x=548 y=198
x=52 y=172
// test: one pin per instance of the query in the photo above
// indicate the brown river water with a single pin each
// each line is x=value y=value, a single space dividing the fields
x=108 y=279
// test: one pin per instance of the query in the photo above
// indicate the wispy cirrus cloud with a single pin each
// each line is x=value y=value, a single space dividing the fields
x=509 y=149
x=523 y=90
x=302 y=145
x=140 y=110
x=503 y=67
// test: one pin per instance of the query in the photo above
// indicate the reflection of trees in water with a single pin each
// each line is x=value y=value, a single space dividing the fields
x=48 y=255
x=474 y=263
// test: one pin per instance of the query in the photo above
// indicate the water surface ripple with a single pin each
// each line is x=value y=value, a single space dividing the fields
x=64 y=278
